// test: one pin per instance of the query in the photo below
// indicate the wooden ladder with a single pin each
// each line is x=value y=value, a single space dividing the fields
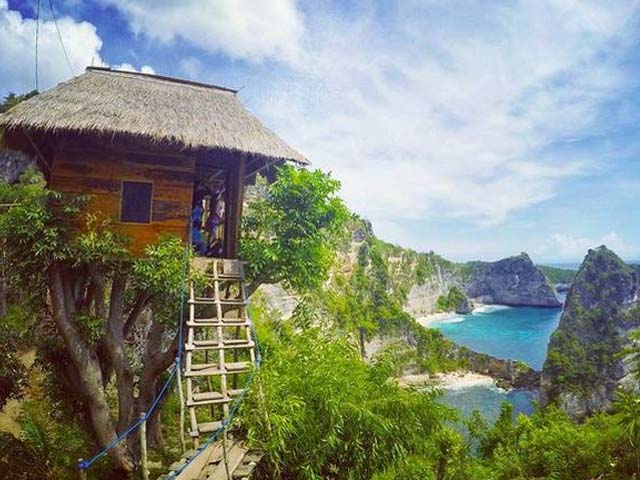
x=220 y=350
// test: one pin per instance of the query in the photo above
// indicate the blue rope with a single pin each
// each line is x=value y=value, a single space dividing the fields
x=85 y=464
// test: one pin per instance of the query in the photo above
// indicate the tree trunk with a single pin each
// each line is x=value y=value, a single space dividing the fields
x=154 y=362
x=3 y=294
x=441 y=469
x=363 y=351
x=88 y=369
x=114 y=342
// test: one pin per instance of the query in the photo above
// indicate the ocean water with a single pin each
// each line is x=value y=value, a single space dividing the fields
x=488 y=400
x=517 y=333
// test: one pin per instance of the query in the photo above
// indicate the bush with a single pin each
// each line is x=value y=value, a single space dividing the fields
x=319 y=411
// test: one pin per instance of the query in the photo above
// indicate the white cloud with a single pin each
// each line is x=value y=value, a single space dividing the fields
x=17 y=51
x=423 y=112
x=130 y=68
x=248 y=29
x=561 y=246
x=192 y=67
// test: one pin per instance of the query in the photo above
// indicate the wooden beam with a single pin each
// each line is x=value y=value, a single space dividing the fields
x=44 y=161
x=234 y=207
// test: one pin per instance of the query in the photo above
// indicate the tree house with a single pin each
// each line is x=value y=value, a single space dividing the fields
x=148 y=148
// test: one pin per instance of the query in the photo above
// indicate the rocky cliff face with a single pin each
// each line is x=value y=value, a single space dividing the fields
x=13 y=164
x=584 y=365
x=421 y=279
x=514 y=281
x=422 y=297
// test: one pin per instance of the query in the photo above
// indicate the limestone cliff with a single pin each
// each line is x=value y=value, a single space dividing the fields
x=585 y=364
x=377 y=289
x=514 y=281
x=421 y=281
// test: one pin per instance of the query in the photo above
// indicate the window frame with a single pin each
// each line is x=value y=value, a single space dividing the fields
x=152 y=193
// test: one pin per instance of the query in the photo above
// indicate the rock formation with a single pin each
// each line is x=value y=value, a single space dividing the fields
x=585 y=363
x=514 y=281
x=13 y=164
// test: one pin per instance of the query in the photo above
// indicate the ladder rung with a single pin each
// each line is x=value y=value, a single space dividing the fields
x=212 y=322
x=212 y=398
x=213 y=301
x=225 y=277
x=209 y=427
x=208 y=369
x=235 y=393
x=214 y=344
x=202 y=396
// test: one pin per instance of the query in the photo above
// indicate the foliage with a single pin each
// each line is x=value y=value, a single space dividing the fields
x=290 y=235
x=19 y=461
x=160 y=274
x=38 y=229
x=628 y=406
x=549 y=445
x=12 y=99
x=97 y=294
x=318 y=411
x=12 y=372
x=557 y=275
x=453 y=301
x=56 y=439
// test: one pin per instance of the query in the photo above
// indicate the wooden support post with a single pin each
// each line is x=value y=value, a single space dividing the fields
x=143 y=448
x=234 y=208
x=82 y=473
x=181 y=398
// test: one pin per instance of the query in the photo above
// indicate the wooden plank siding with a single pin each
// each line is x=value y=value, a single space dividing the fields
x=100 y=173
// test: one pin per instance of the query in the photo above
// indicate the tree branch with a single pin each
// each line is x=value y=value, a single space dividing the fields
x=114 y=343
x=139 y=305
x=88 y=368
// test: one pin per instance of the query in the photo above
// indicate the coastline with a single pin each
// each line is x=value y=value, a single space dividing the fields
x=448 y=381
x=427 y=320
x=430 y=318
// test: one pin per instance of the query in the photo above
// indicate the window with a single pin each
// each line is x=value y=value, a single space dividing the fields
x=136 y=202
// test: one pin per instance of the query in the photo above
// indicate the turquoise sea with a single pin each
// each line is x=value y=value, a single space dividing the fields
x=517 y=333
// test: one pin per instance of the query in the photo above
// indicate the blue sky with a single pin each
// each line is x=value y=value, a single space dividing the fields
x=474 y=129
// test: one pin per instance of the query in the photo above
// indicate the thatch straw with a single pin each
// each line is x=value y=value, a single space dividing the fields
x=158 y=109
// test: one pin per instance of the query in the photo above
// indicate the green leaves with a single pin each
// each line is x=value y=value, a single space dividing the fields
x=12 y=99
x=160 y=274
x=37 y=226
x=319 y=411
x=99 y=243
x=452 y=301
x=291 y=235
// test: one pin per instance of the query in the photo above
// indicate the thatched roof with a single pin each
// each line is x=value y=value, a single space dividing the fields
x=159 y=109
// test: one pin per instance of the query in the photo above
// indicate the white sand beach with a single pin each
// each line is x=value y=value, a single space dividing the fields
x=427 y=320
x=451 y=380
x=462 y=379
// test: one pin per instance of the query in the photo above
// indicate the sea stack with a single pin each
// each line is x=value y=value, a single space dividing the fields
x=584 y=365
x=514 y=281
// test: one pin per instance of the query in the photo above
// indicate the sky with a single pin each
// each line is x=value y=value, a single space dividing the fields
x=474 y=129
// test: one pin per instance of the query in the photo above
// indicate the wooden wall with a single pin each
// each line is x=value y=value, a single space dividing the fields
x=100 y=172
